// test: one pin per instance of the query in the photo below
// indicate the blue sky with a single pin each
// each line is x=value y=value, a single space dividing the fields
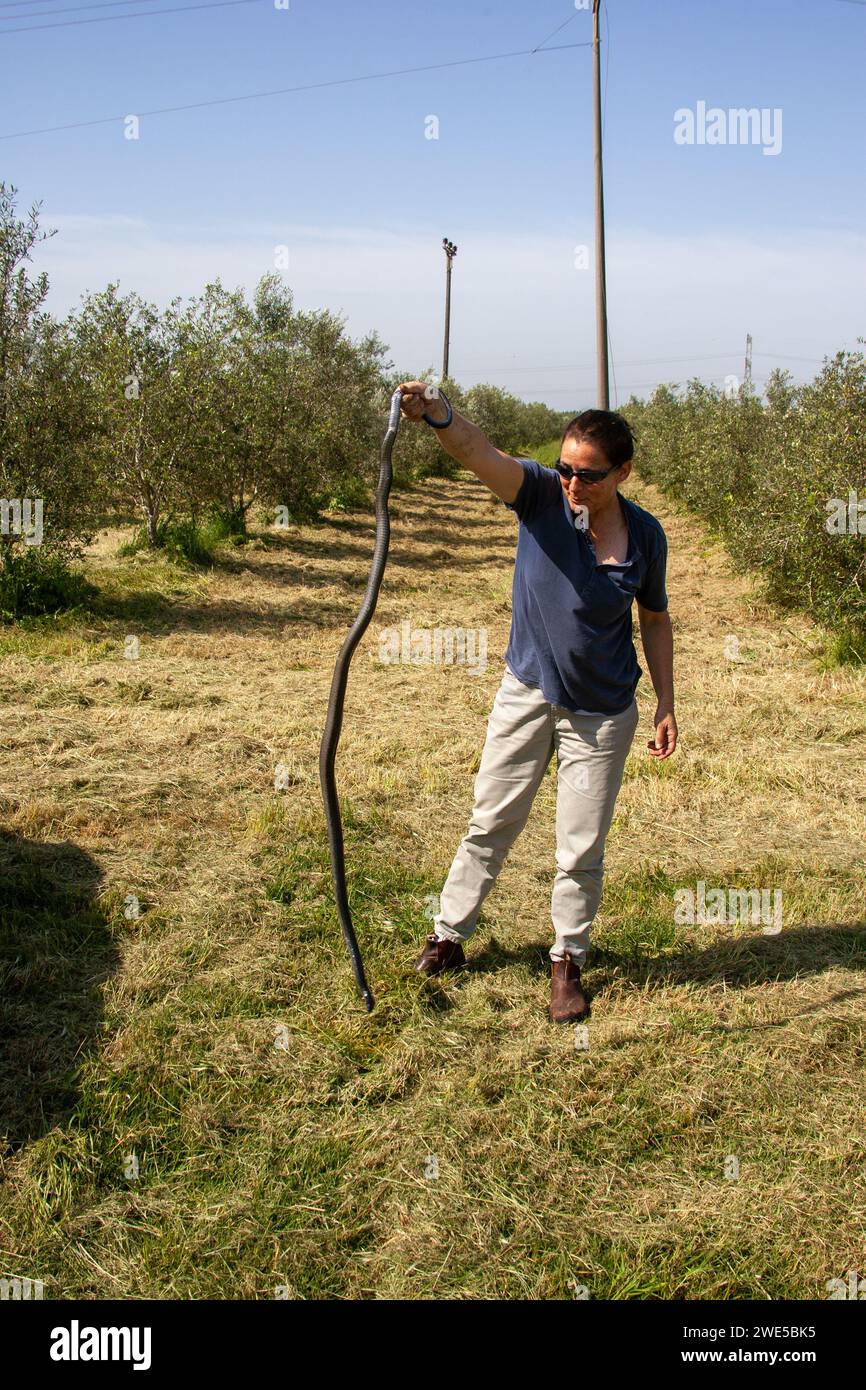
x=705 y=242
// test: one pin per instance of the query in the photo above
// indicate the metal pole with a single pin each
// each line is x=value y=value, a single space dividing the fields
x=603 y=389
x=450 y=253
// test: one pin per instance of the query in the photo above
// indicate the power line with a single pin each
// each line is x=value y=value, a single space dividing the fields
x=587 y=388
x=106 y=18
x=21 y=5
x=587 y=366
x=786 y=356
x=635 y=362
x=284 y=91
x=556 y=31
x=70 y=9
x=76 y=9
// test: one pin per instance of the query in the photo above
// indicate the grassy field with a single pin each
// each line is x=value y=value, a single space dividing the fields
x=195 y=1102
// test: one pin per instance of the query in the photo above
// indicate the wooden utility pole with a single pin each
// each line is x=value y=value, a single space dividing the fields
x=603 y=389
x=450 y=252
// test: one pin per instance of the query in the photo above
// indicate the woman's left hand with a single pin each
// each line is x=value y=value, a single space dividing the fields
x=666 y=734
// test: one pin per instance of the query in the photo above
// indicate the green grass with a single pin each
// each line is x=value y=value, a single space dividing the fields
x=195 y=1102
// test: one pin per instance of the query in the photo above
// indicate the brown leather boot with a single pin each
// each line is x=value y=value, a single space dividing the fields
x=439 y=955
x=567 y=1000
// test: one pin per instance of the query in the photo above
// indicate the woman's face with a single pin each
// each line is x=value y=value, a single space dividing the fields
x=595 y=497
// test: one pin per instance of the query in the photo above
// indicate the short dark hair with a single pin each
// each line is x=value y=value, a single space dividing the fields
x=605 y=428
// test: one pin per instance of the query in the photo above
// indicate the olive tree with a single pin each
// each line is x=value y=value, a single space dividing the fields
x=48 y=423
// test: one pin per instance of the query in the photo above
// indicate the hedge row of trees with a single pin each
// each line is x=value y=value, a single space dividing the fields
x=183 y=419
x=782 y=482
x=179 y=417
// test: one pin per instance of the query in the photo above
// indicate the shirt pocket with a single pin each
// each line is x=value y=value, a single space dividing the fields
x=604 y=600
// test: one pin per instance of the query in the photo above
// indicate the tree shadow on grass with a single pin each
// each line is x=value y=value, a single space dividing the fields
x=737 y=961
x=161 y=615
x=135 y=606
x=345 y=548
x=337 y=550
x=56 y=952
x=437 y=526
x=742 y=961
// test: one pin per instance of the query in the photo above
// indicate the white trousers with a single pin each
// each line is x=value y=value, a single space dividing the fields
x=523 y=729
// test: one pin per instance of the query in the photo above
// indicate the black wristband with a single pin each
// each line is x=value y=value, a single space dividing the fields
x=440 y=424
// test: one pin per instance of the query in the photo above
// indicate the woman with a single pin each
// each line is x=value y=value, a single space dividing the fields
x=584 y=553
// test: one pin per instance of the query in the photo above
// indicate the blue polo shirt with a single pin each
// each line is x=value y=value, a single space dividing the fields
x=571 y=621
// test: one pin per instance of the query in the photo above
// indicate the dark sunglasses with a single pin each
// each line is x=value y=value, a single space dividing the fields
x=584 y=475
